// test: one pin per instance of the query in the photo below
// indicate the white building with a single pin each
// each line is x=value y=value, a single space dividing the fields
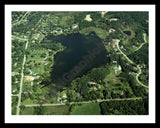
x=119 y=68
x=74 y=26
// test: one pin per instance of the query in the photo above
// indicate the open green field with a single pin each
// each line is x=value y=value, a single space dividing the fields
x=114 y=85
x=112 y=73
x=28 y=111
x=66 y=20
x=37 y=54
x=127 y=28
x=50 y=110
x=100 y=32
x=57 y=110
x=29 y=101
x=86 y=109
x=39 y=69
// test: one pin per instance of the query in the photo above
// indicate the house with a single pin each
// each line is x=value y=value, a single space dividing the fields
x=111 y=30
x=59 y=99
x=115 y=62
x=95 y=89
x=113 y=43
x=91 y=82
x=77 y=94
x=119 y=68
x=74 y=26
x=64 y=95
x=14 y=73
x=14 y=90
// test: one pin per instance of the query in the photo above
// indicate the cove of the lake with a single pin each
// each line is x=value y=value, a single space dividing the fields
x=82 y=53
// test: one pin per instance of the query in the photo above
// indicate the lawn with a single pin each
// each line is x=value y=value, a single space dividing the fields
x=86 y=109
x=37 y=54
x=29 y=101
x=57 y=110
x=50 y=110
x=41 y=37
x=112 y=73
x=66 y=20
x=38 y=69
x=28 y=111
x=115 y=86
x=37 y=60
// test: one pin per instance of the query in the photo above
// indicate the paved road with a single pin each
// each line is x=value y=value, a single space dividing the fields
x=124 y=54
x=22 y=75
x=15 y=94
x=21 y=84
x=133 y=62
x=85 y=102
x=26 y=45
x=145 y=41
x=18 y=22
x=19 y=38
x=144 y=37
x=34 y=105
x=138 y=76
x=139 y=47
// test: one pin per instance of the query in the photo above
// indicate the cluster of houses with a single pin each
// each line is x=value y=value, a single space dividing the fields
x=32 y=73
x=62 y=97
x=116 y=68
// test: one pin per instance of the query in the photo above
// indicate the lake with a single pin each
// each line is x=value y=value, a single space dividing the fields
x=82 y=53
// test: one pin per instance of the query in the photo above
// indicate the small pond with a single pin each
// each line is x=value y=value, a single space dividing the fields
x=127 y=32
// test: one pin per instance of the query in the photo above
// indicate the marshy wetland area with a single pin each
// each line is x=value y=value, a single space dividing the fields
x=80 y=63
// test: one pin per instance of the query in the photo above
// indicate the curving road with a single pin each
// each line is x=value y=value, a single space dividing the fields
x=145 y=41
x=130 y=61
x=138 y=76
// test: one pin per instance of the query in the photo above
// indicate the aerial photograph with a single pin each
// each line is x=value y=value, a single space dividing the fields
x=79 y=63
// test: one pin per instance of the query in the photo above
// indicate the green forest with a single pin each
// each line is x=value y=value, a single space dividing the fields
x=134 y=107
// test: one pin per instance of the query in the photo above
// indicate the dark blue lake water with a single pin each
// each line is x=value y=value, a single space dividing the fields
x=82 y=53
x=127 y=32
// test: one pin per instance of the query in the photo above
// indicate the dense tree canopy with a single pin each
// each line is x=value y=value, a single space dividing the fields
x=133 y=107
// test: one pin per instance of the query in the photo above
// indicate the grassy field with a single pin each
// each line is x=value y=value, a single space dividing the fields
x=127 y=28
x=28 y=111
x=38 y=69
x=50 y=110
x=86 y=109
x=36 y=54
x=112 y=73
x=100 y=32
x=67 y=20
x=115 y=86
x=57 y=110
x=29 y=101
